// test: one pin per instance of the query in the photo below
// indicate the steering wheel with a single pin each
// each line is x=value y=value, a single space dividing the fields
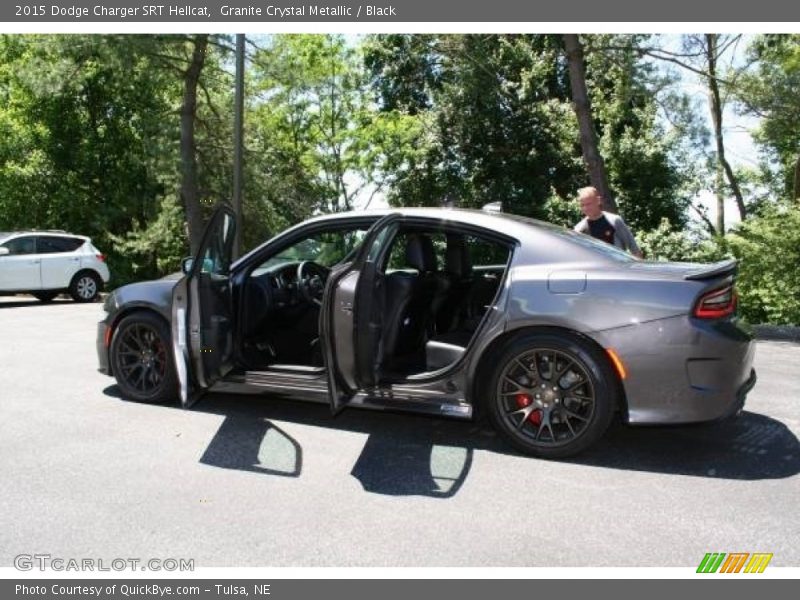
x=311 y=278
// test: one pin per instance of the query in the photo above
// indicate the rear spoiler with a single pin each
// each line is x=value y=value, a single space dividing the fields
x=718 y=269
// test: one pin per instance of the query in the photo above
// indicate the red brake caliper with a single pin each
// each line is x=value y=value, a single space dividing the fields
x=524 y=400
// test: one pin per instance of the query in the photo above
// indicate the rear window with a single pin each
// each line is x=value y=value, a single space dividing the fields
x=47 y=244
x=587 y=241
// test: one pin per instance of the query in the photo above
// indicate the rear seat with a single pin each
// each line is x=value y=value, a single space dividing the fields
x=445 y=349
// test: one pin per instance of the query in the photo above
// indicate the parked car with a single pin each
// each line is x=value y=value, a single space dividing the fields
x=47 y=263
x=440 y=311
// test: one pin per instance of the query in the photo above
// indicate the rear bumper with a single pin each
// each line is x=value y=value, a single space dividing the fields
x=741 y=395
x=681 y=370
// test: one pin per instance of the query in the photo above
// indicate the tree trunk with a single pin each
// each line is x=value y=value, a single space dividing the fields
x=797 y=180
x=189 y=187
x=583 y=111
x=719 y=185
x=715 y=104
x=238 y=145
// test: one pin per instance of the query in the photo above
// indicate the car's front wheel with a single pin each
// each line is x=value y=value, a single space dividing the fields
x=141 y=359
x=551 y=395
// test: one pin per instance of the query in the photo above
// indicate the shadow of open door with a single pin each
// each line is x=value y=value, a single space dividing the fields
x=249 y=444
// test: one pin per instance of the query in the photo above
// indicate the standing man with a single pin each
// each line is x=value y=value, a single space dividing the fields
x=603 y=225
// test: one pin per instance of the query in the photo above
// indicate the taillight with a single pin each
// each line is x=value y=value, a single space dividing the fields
x=101 y=257
x=716 y=304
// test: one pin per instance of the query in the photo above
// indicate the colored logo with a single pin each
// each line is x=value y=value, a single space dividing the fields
x=734 y=562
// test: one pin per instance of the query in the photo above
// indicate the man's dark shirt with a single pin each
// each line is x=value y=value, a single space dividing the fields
x=602 y=229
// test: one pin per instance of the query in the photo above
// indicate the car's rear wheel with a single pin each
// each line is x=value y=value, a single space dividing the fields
x=85 y=287
x=551 y=395
x=141 y=359
x=45 y=296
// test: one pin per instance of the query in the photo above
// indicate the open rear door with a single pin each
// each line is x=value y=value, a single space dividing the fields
x=351 y=316
x=202 y=312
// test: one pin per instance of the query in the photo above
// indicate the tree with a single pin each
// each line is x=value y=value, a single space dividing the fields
x=583 y=112
x=188 y=190
x=495 y=123
x=316 y=124
x=80 y=113
x=702 y=55
x=715 y=101
x=769 y=91
x=649 y=134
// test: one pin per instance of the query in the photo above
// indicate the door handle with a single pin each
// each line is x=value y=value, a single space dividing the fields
x=36 y=261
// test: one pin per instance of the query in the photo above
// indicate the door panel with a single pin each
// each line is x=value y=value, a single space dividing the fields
x=59 y=260
x=202 y=324
x=343 y=302
x=350 y=319
x=20 y=270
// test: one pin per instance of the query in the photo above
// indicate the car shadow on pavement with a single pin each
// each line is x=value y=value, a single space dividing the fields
x=22 y=302
x=418 y=455
x=750 y=447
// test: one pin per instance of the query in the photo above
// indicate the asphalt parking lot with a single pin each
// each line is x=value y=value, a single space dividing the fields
x=254 y=481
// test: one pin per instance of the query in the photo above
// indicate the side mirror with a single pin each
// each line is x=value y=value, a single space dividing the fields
x=186 y=265
x=4 y=251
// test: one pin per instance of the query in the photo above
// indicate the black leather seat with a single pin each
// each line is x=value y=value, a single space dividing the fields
x=457 y=281
x=407 y=314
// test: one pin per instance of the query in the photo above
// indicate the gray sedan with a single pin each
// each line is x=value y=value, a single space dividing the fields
x=547 y=332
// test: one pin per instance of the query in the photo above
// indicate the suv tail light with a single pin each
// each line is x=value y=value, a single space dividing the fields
x=716 y=303
x=101 y=257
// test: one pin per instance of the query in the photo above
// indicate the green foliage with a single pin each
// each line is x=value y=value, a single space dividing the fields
x=498 y=124
x=644 y=158
x=768 y=249
x=769 y=91
x=150 y=250
x=90 y=138
x=317 y=136
x=665 y=242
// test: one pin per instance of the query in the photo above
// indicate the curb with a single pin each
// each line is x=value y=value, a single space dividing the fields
x=787 y=333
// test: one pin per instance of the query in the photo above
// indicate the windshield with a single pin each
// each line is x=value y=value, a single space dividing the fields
x=324 y=248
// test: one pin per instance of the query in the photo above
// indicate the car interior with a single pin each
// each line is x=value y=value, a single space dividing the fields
x=437 y=285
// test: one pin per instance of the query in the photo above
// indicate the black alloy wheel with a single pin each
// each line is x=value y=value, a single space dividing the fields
x=552 y=396
x=141 y=358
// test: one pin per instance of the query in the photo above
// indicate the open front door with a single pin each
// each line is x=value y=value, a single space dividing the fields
x=202 y=312
x=351 y=316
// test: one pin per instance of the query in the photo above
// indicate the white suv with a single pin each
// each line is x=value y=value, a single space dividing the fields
x=46 y=263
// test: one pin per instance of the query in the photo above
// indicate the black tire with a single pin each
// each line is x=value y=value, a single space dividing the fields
x=85 y=286
x=45 y=296
x=546 y=411
x=142 y=361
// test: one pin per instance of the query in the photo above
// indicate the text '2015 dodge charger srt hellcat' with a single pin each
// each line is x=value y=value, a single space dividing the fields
x=441 y=311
